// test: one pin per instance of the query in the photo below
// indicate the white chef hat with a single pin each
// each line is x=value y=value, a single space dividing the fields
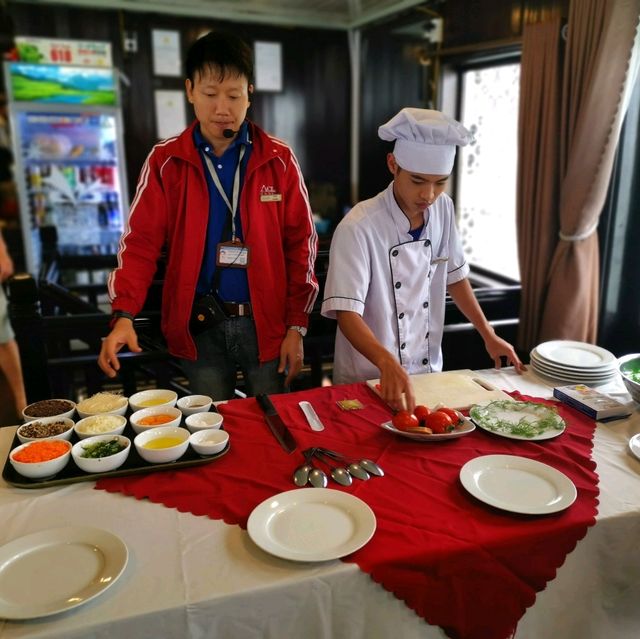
x=425 y=139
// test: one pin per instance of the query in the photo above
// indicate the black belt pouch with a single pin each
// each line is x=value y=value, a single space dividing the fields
x=206 y=313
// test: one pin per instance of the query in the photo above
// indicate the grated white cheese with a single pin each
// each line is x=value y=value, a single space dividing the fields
x=99 y=424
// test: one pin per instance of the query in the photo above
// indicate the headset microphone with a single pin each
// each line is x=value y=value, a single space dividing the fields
x=228 y=133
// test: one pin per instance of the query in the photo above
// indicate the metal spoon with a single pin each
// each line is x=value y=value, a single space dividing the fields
x=301 y=474
x=368 y=465
x=317 y=478
x=353 y=468
x=371 y=467
x=358 y=471
x=340 y=475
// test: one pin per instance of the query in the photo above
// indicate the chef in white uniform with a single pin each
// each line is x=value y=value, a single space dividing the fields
x=394 y=257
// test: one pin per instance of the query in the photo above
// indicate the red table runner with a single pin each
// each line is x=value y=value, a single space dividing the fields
x=460 y=564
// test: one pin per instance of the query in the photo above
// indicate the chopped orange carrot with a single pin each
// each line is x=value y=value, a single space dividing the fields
x=42 y=451
x=154 y=420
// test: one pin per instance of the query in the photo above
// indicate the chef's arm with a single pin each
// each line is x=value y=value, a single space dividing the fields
x=464 y=298
x=394 y=380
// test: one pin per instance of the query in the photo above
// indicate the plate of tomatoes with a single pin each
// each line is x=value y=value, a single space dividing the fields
x=430 y=425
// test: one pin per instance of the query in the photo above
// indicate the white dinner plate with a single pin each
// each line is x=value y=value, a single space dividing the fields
x=572 y=378
x=575 y=354
x=57 y=569
x=519 y=420
x=311 y=524
x=558 y=368
x=465 y=428
x=518 y=484
x=604 y=372
x=634 y=445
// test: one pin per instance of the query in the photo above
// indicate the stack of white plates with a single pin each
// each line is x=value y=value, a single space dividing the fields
x=574 y=362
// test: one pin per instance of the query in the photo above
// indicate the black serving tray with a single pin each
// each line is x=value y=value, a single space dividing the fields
x=134 y=465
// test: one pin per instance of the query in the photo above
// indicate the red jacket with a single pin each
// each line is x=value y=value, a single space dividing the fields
x=171 y=207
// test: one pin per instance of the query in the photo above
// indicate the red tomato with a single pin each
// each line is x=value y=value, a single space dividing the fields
x=421 y=413
x=439 y=422
x=455 y=418
x=403 y=420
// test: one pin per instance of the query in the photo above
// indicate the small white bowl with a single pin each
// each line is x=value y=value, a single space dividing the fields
x=100 y=464
x=121 y=409
x=162 y=455
x=203 y=421
x=144 y=399
x=192 y=404
x=29 y=417
x=117 y=423
x=209 y=442
x=134 y=420
x=46 y=420
x=40 y=470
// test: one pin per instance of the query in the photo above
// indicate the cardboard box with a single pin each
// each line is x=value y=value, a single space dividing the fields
x=597 y=405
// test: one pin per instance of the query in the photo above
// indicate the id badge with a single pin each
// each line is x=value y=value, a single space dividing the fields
x=232 y=255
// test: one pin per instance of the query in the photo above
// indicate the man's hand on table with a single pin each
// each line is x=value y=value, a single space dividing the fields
x=122 y=334
x=499 y=348
x=291 y=356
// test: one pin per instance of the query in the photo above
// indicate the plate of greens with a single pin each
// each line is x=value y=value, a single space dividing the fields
x=519 y=420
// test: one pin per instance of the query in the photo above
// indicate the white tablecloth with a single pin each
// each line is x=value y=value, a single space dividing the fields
x=192 y=576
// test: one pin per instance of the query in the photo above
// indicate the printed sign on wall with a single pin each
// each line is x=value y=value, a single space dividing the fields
x=55 y=51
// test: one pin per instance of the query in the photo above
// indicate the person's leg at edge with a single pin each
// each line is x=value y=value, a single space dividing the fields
x=12 y=370
x=213 y=373
x=10 y=363
x=259 y=378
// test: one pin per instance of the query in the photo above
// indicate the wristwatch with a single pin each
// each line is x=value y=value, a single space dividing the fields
x=116 y=315
x=301 y=329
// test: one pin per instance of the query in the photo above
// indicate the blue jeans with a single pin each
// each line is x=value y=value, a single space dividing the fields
x=222 y=350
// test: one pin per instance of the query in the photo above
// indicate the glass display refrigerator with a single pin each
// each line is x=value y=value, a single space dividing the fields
x=66 y=130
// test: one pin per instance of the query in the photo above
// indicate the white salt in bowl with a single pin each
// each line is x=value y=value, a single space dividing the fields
x=209 y=441
x=203 y=421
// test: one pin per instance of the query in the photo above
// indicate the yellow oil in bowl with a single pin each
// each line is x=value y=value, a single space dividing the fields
x=163 y=442
x=156 y=401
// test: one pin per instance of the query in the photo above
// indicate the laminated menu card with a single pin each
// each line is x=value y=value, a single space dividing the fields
x=591 y=402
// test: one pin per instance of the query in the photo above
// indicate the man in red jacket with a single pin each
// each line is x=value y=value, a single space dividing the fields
x=228 y=203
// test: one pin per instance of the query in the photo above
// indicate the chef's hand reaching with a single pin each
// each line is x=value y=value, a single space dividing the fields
x=499 y=348
x=395 y=385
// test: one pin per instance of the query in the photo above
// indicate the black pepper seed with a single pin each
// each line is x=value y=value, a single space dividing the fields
x=48 y=408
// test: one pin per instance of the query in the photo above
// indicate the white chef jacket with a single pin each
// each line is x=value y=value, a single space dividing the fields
x=397 y=284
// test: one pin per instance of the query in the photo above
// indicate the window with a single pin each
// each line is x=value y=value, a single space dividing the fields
x=486 y=177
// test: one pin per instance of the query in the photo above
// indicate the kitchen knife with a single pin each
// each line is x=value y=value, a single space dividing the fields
x=275 y=423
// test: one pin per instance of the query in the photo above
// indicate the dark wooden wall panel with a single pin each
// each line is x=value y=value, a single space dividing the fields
x=314 y=106
x=391 y=80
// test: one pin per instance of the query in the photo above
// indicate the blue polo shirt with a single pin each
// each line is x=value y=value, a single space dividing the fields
x=233 y=283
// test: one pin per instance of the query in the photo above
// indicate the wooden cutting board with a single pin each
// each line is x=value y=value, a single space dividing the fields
x=460 y=389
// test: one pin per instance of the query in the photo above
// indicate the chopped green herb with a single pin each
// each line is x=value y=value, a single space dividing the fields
x=524 y=419
x=103 y=449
